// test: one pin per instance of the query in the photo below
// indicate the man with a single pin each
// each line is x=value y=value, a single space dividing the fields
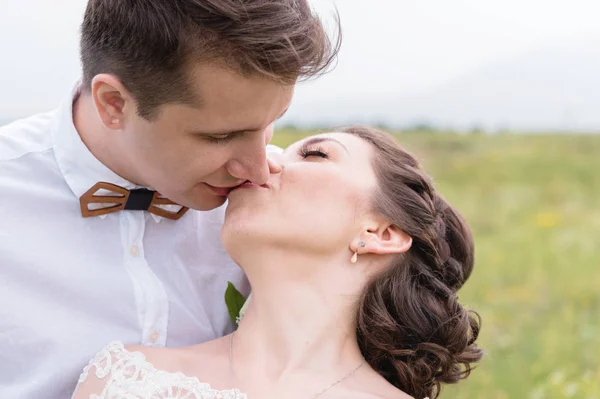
x=175 y=107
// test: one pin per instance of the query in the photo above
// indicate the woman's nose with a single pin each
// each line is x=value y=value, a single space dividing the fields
x=274 y=167
x=274 y=160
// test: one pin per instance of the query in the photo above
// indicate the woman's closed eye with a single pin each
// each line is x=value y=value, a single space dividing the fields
x=306 y=152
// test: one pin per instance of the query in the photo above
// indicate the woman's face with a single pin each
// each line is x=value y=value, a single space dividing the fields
x=316 y=205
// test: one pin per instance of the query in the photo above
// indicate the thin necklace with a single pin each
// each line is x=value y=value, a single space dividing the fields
x=314 y=395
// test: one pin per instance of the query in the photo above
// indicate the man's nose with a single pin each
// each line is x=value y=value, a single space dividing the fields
x=250 y=161
x=257 y=167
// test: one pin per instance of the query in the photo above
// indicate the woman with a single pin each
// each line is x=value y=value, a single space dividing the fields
x=354 y=261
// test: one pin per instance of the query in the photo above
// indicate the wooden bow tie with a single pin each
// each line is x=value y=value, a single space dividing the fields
x=139 y=199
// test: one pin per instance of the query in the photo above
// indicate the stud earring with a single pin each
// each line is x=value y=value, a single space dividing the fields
x=354 y=258
x=115 y=121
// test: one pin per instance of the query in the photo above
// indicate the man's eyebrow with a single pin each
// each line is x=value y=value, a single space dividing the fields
x=237 y=131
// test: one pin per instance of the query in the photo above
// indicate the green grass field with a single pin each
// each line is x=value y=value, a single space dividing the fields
x=533 y=202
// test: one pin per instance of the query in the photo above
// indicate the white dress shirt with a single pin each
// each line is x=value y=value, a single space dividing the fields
x=69 y=285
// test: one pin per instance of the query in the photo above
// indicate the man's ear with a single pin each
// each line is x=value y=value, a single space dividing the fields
x=111 y=99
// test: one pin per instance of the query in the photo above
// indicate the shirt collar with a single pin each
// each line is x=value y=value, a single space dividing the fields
x=80 y=168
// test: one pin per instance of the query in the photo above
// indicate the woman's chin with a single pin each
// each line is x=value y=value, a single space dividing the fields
x=243 y=207
x=240 y=232
x=242 y=220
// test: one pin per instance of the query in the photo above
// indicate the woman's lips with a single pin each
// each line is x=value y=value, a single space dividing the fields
x=248 y=185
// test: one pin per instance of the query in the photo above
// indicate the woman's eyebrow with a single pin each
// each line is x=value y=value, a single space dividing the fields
x=317 y=140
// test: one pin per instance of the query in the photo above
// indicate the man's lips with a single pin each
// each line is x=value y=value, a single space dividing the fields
x=220 y=191
x=248 y=185
x=224 y=191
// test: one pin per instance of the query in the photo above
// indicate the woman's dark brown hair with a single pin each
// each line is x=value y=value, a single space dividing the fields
x=411 y=327
x=151 y=44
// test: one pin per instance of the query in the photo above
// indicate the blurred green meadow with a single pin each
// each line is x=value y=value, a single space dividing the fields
x=533 y=202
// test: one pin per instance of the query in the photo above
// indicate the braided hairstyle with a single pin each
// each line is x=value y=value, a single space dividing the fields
x=411 y=328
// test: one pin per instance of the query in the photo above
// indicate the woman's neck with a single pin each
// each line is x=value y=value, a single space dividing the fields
x=300 y=317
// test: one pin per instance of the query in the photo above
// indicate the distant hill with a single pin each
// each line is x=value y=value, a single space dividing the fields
x=555 y=86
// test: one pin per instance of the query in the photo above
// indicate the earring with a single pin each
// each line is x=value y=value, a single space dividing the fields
x=115 y=121
x=354 y=258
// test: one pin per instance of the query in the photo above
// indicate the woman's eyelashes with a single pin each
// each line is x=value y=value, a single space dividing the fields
x=306 y=152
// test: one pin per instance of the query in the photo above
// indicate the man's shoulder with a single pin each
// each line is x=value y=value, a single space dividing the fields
x=28 y=166
x=25 y=136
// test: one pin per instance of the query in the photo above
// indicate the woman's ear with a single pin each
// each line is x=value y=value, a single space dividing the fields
x=384 y=239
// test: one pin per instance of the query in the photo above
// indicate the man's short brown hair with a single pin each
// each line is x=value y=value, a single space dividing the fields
x=147 y=44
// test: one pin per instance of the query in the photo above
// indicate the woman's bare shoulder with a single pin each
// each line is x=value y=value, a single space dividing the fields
x=372 y=385
x=184 y=359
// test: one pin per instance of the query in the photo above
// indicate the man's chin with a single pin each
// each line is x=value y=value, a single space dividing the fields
x=200 y=198
x=207 y=203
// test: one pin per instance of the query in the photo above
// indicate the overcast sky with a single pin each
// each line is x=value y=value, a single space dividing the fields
x=391 y=48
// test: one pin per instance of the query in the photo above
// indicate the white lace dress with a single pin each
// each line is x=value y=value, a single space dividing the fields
x=128 y=375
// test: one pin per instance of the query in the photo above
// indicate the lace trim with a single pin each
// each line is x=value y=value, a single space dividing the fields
x=131 y=376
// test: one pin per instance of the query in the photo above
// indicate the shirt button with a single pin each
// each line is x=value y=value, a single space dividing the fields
x=134 y=251
x=154 y=337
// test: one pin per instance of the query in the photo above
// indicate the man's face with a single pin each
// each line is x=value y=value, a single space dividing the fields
x=192 y=155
